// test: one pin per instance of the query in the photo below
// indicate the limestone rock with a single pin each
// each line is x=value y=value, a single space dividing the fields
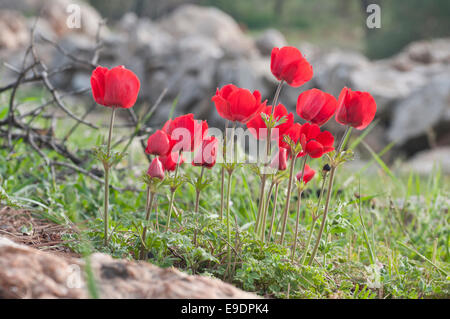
x=210 y=22
x=333 y=70
x=57 y=13
x=29 y=273
x=268 y=40
x=426 y=108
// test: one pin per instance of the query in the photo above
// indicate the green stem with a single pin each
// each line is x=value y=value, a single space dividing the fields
x=288 y=198
x=274 y=210
x=230 y=174
x=277 y=93
x=314 y=218
x=266 y=209
x=107 y=167
x=148 y=209
x=197 y=199
x=299 y=202
x=329 y=191
x=222 y=188
x=261 y=201
x=173 y=190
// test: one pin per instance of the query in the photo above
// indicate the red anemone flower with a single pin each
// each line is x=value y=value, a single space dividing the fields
x=314 y=142
x=279 y=161
x=170 y=160
x=288 y=64
x=236 y=104
x=185 y=133
x=118 y=87
x=257 y=123
x=316 y=106
x=156 y=169
x=355 y=108
x=293 y=133
x=207 y=154
x=158 y=143
x=307 y=176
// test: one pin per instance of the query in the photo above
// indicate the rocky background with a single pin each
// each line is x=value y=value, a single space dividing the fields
x=195 y=49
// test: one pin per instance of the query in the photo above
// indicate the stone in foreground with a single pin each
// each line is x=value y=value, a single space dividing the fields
x=29 y=273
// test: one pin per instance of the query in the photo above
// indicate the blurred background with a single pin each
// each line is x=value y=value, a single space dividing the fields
x=191 y=47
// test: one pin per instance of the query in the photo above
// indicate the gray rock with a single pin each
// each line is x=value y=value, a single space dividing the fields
x=56 y=14
x=209 y=22
x=333 y=70
x=269 y=39
x=29 y=273
x=425 y=108
x=425 y=52
x=386 y=84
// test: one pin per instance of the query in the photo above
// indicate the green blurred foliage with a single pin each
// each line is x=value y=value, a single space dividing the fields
x=324 y=22
x=406 y=21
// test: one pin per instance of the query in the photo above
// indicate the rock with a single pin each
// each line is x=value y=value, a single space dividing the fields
x=427 y=107
x=198 y=58
x=13 y=30
x=189 y=74
x=386 y=84
x=78 y=45
x=57 y=13
x=333 y=70
x=209 y=22
x=268 y=40
x=426 y=52
x=144 y=37
x=29 y=273
x=424 y=162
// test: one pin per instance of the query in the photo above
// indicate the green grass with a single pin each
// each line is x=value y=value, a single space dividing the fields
x=401 y=221
x=405 y=219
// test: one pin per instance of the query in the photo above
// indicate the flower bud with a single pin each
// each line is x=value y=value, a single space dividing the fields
x=158 y=143
x=280 y=160
x=156 y=169
x=307 y=176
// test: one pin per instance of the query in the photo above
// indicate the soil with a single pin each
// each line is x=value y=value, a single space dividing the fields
x=24 y=227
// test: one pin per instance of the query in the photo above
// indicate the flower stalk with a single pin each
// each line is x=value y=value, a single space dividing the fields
x=107 y=166
x=274 y=210
x=334 y=166
x=222 y=187
x=288 y=198
x=148 y=209
x=314 y=220
x=198 y=190
x=300 y=187
x=173 y=189
x=297 y=221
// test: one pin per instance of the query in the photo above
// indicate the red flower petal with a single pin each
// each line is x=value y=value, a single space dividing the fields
x=355 y=108
x=156 y=169
x=98 y=84
x=325 y=138
x=121 y=88
x=314 y=149
x=158 y=143
x=288 y=64
x=316 y=106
